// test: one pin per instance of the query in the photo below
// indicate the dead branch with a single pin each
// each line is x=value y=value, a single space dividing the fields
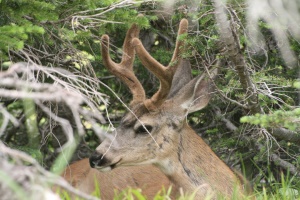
x=230 y=40
x=33 y=180
x=287 y=135
x=68 y=88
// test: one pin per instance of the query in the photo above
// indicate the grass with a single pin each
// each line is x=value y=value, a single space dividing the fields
x=281 y=191
x=285 y=190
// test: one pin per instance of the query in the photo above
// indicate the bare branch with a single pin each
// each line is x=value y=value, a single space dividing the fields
x=284 y=164
x=287 y=135
x=70 y=89
x=230 y=40
x=33 y=180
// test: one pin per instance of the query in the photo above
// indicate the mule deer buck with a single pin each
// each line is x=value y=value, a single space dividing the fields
x=155 y=130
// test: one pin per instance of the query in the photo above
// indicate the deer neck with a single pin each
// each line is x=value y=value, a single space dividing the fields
x=195 y=167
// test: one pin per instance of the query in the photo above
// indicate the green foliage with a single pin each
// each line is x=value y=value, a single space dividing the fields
x=65 y=195
x=33 y=152
x=296 y=84
x=286 y=189
x=131 y=194
x=280 y=118
x=97 y=192
x=13 y=37
x=213 y=131
x=19 y=20
x=24 y=22
x=128 y=194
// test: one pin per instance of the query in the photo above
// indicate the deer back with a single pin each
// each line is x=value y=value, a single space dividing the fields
x=147 y=178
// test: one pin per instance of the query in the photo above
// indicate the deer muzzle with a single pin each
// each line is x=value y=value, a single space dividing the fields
x=100 y=162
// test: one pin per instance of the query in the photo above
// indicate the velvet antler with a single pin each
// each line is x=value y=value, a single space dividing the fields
x=124 y=69
x=164 y=74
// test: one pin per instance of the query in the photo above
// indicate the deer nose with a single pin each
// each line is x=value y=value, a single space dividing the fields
x=96 y=159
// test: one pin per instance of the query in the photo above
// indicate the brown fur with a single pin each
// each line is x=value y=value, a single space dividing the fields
x=148 y=178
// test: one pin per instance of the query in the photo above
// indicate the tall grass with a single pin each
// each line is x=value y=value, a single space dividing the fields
x=286 y=189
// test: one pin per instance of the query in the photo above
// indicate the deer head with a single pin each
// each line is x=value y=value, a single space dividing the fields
x=148 y=131
x=154 y=130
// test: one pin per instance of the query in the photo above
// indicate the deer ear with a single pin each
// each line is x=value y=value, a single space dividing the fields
x=182 y=76
x=196 y=94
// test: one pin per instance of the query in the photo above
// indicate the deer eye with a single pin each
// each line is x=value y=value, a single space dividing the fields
x=141 y=129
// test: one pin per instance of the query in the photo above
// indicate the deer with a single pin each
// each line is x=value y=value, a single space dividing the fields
x=86 y=179
x=155 y=130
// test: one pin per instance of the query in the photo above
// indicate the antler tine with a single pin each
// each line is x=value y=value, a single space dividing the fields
x=164 y=74
x=124 y=69
x=183 y=27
